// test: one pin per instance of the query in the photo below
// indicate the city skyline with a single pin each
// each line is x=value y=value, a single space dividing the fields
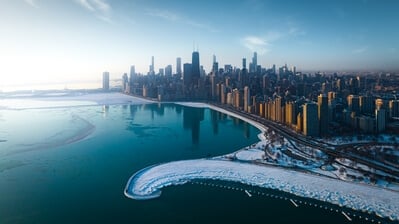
x=80 y=39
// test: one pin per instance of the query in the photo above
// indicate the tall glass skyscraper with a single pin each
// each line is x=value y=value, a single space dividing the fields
x=195 y=67
x=178 y=66
x=187 y=74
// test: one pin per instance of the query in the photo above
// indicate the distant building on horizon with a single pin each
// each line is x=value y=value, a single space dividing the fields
x=125 y=82
x=152 y=69
x=178 y=66
x=254 y=64
x=168 y=71
x=132 y=74
x=132 y=71
x=105 y=80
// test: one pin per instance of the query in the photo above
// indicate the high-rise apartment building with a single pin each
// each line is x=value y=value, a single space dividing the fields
x=322 y=103
x=310 y=120
x=380 y=120
x=178 y=66
x=247 y=96
x=354 y=103
x=393 y=108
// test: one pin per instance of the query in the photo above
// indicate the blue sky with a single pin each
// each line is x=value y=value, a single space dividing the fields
x=67 y=40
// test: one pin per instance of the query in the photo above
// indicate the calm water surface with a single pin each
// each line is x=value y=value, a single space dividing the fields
x=70 y=165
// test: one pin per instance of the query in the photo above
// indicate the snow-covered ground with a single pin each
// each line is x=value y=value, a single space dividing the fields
x=382 y=138
x=148 y=183
x=251 y=154
x=193 y=104
x=69 y=100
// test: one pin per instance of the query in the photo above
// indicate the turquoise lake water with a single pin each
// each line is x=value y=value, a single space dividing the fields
x=71 y=165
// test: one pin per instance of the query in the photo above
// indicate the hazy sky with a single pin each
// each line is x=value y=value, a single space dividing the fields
x=60 y=40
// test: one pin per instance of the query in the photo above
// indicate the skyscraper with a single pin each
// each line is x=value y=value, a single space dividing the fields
x=255 y=59
x=187 y=74
x=244 y=63
x=254 y=64
x=380 y=120
x=366 y=104
x=310 y=121
x=125 y=82
x=178 y=66
x=152 y=69
x=168 y=71
x=322 y=102
x=393 y=108
x=354 y=103
x=215 y=65
x=105 y=80
x=132 y=75
x=195 y=63
x=132 y=71
x=247 y=96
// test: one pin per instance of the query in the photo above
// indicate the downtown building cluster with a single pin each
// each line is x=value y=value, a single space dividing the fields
x=317 y=105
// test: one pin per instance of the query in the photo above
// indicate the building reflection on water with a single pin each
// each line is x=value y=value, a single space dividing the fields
x=192 y=118
x=246 y=129
x=214 y=120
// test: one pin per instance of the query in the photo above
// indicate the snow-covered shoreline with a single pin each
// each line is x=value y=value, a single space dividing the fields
x=147 y=183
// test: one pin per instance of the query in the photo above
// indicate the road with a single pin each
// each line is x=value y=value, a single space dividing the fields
x=330 y=149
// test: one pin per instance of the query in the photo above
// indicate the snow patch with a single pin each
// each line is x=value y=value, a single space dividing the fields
x=250 y=154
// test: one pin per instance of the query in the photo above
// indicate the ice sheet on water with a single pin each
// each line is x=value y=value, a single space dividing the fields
x=69 y=100
x=49 y=131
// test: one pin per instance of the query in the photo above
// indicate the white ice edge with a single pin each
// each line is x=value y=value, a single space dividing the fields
x=147 y=184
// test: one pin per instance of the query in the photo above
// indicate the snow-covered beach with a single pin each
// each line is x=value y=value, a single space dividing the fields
x=147 y=183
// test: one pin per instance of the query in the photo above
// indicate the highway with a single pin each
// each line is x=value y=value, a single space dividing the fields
x=329 y=149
